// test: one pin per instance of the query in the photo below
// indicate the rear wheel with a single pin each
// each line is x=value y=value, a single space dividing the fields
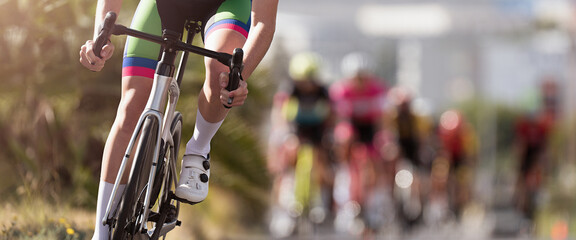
x=131 y=206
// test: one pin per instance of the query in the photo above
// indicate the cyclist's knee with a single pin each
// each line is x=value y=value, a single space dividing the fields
x=224 y=40
x=213 y=71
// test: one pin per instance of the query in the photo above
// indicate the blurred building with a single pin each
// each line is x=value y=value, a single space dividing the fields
x=445 y=50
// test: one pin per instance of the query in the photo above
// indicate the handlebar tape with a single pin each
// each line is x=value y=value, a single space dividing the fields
x=235 y=72
x=235 y=69
x=105 y=32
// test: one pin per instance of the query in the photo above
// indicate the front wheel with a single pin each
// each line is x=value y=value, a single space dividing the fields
x=165 y=182
x=131 y=208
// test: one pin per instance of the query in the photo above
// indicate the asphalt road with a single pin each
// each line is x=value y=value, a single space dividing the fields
x=477 y=224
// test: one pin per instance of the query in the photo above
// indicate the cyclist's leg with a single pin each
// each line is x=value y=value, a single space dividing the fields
x=140 y=59
x=211 y=113
x=135 y=91
x=226 y=31
x=137 y=74
x=223 y=35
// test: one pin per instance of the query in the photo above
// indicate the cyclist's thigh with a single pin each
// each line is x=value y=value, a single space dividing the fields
x=139 y=64
x=224 y=32
x=141 y=56
x=229 y=27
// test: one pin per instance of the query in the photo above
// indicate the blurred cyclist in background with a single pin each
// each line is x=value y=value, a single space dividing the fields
x=412 y=131
x=359 y=101
x=456 y=158
x=533 y=131
x=305 y=114
x=531 y=138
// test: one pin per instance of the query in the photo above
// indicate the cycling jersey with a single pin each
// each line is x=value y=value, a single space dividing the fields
x=313 y=108
x=532 y=133
x=309 y=111
x=362 y=106
x=456 y=137
x=141 y=56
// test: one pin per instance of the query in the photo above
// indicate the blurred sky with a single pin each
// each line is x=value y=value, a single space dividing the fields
x=447 y=51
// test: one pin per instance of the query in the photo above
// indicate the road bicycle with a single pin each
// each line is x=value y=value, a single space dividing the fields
x=148 y=207
x=303 y=199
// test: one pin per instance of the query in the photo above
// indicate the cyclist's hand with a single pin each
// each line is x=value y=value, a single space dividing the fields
x=89 y=60
x=239 y=95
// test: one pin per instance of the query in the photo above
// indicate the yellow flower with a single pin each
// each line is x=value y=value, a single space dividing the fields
x=70 y=231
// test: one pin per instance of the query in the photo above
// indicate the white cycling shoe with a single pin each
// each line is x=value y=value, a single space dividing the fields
x=193 y=184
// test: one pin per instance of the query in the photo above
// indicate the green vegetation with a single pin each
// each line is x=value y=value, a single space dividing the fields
x=55 y=116
x=37 y=219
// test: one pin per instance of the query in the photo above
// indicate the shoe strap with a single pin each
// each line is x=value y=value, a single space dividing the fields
x=196 y=161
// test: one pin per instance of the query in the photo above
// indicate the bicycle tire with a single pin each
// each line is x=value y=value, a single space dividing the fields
x=164 y=183
x=132 y=202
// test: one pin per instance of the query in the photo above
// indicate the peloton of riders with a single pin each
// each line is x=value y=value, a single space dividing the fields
x=371 y=149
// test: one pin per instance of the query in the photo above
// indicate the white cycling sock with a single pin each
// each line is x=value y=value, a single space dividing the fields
x=204 y=131
x=101 y=231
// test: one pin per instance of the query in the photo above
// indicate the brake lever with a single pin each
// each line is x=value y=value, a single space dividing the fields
x=104 y=33
x=235 y=75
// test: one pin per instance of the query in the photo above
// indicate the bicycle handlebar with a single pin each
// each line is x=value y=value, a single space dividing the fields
x=104 y=33
x=234 y=61
x=235 y=69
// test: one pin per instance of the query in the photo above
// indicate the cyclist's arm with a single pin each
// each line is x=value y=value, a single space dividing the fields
x=103 y=7
x=87 y=57
x=261 y=34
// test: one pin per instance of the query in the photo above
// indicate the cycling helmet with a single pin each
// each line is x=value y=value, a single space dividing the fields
x=305 y=66
x=355 y=63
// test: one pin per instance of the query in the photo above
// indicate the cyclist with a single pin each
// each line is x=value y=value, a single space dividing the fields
x=532 y=140
x=359 y=100
x=409 y=126
x=306 y=109
x=227 y=24
x=412 y=131
x=458 y=143
x=282 y=150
